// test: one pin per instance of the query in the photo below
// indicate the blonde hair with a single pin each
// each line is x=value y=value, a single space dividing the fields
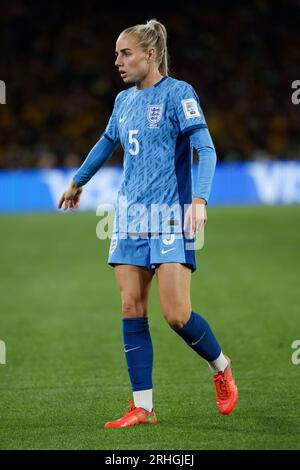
x=152 y=34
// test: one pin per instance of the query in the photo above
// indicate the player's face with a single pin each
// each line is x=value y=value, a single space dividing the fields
x=131 y=60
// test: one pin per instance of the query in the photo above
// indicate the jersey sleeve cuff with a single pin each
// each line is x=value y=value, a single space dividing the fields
x=200 y=196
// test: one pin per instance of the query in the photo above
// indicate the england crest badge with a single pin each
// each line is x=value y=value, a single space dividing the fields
x=154 y=114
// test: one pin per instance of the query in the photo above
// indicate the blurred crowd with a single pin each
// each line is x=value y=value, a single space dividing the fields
x=58 y=66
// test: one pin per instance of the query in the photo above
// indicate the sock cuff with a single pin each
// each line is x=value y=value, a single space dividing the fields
x=190 y=322
x=135 y=325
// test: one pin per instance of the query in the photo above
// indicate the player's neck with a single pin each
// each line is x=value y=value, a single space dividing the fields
x=150 y=80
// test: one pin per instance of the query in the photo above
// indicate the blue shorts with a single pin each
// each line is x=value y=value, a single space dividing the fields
x=149 y=252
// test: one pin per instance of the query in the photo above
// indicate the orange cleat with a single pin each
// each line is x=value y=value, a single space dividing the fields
x=226 y=390
x=133 y=417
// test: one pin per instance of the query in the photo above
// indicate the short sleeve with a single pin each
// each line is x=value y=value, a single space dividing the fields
x=112 y=132
x=187 y=108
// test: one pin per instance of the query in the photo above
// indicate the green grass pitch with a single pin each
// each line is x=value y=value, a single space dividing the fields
x=65 y=374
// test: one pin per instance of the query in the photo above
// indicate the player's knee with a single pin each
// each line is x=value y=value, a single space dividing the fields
x=132 y=307
x=176 y=319
x=176 y=323
x=176 y=313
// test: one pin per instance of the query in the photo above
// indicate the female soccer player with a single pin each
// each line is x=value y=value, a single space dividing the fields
x=158 y=121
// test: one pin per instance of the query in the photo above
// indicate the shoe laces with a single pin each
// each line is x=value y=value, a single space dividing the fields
x=222 y=385
x=132 y=407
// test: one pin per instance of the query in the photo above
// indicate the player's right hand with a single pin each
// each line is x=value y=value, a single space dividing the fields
x=71 y=197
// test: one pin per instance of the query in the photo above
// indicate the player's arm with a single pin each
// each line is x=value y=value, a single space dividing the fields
x=97 y=156
x=201 y=140
x=192 y=122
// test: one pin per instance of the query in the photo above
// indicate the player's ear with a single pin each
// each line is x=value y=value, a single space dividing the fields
x=151 y=55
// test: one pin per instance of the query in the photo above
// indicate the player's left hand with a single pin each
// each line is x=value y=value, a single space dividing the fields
x=195 y=217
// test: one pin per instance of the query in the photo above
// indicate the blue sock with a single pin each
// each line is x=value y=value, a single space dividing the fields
x=198 y=335
x=139 y=352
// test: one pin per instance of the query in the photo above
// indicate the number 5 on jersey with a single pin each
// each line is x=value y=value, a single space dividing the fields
x=134 y=150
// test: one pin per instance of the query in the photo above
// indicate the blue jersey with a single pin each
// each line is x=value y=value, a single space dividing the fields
x=153 y=127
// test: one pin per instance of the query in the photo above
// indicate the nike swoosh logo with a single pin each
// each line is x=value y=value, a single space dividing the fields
x=193 y=344
x=163 y=252
x=127 y=350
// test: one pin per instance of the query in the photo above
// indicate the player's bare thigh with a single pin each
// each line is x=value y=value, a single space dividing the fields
x=134 y=283
x=174 y=281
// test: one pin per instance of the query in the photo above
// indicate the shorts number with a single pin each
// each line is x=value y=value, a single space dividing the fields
x=135 y=142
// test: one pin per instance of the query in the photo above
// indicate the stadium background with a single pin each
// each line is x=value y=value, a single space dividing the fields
x=65 y=371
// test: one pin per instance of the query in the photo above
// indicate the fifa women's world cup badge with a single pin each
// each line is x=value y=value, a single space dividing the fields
x=154 y=114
